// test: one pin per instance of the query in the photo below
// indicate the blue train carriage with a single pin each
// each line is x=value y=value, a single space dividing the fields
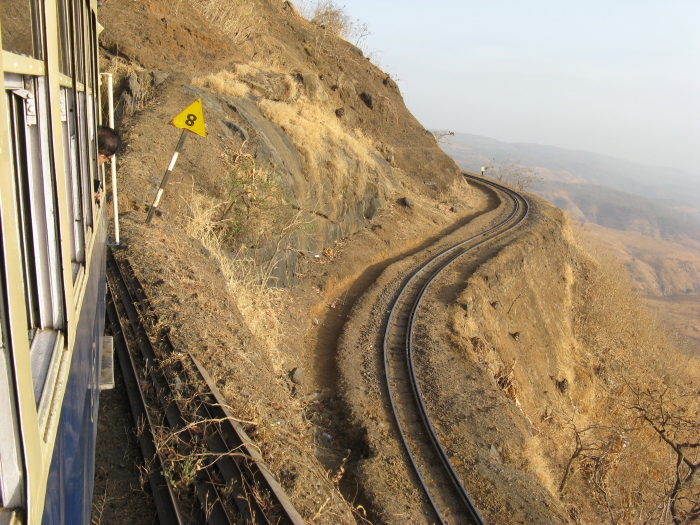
x=52 y=269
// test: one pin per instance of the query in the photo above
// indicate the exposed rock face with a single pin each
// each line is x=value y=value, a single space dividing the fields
x=288 y=74
x=362 y=198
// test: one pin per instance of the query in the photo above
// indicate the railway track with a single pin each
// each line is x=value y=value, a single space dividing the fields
x=444 y=490
x=202 y=467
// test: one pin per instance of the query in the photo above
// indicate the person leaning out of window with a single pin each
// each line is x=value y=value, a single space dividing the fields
x=108 y=144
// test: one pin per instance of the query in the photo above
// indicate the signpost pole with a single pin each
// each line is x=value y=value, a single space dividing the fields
x=163 y=182
x=191 y=120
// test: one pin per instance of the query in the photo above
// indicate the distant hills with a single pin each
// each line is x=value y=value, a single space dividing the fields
x=473 y=151
x=608 y=191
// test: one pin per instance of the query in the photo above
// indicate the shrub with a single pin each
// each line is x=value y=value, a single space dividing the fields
x=329 y=16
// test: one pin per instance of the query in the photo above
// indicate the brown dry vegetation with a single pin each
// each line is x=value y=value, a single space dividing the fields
x=572 y=386
x=590 y=408
x=611 y=406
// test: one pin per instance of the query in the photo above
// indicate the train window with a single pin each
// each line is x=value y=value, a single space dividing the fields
x=10 y=453
x=64 y=39
x=21 y=30
x=73 y=180
x=35 y=193
x=85 y=148
x=79 y=39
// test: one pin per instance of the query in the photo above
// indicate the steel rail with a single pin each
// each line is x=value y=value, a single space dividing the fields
x=166 y=503
x=231 y=456
x=204 y=483
x=517 y=199
x=410 y=296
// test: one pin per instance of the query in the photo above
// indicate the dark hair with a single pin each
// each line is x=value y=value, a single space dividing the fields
x=108 y=141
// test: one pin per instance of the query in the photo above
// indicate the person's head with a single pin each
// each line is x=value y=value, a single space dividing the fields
x=108 y=143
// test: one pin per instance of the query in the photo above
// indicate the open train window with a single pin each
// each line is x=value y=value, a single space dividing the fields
x=21 y=27
x=73 y=180
x=65 y=30
x=10 y=452
x=35 y=195
x=78 y=34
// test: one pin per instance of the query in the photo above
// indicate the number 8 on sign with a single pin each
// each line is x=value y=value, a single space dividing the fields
x=191 y=119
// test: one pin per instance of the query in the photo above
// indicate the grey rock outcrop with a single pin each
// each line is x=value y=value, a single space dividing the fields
x=337 y=211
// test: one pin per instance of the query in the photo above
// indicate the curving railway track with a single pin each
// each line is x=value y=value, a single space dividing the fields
x=444 y=490
x=172 y=395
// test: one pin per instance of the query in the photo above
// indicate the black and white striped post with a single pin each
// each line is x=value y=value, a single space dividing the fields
x=163 y=182
x=192 y=120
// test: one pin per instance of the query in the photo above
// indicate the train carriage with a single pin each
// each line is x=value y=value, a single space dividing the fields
x=52 y=260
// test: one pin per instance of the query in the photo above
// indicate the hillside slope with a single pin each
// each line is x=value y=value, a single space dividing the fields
x=646 y=215
x=286 y=102
x=537 y=365
x=314 y=183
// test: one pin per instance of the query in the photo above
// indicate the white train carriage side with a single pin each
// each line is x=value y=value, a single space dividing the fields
x=52 y=260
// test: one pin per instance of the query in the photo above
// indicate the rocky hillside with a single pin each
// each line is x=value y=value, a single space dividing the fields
x=303 y=130
x=315 y=187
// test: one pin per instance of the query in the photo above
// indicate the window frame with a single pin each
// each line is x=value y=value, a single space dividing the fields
x=35 y=188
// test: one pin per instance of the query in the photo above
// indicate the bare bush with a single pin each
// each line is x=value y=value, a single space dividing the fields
x=442 y=136
x=334 y=20
x=252 y=203
x=328 y=15
x=638 y=446
x=513 y=173
x=676 y=421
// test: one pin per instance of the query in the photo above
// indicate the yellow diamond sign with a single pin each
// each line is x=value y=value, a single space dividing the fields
x=192 y=119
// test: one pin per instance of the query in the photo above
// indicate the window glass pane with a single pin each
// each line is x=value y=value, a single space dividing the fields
x=10 y=451
x=43 y=169
x=79 y=39
x=18 y=127
x=20 y=21
x=64 y=40
x=74 y=186
x=84 y=156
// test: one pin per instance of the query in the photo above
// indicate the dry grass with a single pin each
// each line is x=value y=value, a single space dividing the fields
x=257 y=79
x=224 y=82
x=248 y=287
x=318 y=135
x=239 y=19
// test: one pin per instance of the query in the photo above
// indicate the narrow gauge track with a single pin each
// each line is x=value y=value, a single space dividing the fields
x=443 y=488
x=180 y=414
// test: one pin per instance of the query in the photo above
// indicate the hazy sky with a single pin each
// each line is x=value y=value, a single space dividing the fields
x=619 y=77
